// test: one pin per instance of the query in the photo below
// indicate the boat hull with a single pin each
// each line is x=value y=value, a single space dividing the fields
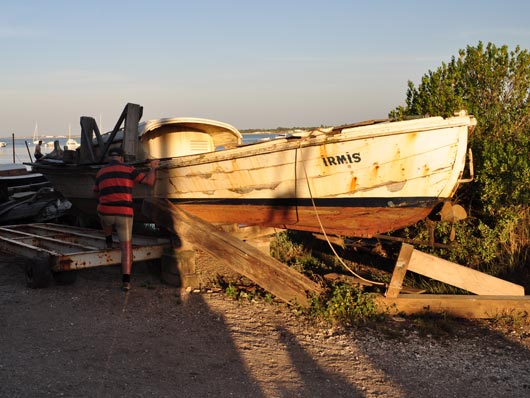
x=357 y=181
x=354 y=219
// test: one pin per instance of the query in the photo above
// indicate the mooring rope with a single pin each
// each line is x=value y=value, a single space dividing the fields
x=326 y=235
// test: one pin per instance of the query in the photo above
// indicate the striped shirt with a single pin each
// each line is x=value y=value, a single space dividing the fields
x=114 y=184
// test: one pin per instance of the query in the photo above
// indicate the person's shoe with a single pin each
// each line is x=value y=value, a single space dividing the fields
x=126 y=286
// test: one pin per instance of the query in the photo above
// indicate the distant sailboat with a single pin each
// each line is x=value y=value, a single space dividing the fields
x=36 y=134
x=70 y=142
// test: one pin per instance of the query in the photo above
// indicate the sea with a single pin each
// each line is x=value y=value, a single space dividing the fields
x=23 y=148
x=20 y=153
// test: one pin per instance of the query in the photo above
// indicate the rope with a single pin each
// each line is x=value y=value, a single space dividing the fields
x=326 y=235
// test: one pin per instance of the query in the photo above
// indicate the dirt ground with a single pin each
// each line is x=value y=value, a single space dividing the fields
x=90 y=339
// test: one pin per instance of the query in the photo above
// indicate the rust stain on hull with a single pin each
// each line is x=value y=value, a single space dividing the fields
x=344 y=221
x=359 y=221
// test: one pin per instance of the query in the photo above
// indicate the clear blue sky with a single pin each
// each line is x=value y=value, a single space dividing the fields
x=253 y=64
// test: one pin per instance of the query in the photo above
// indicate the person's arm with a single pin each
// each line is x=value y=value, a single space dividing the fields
x=150 y=177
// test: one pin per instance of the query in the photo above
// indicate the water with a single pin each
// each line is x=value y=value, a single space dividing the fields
x=256 y=137
x=21 y=152
x=22 y=155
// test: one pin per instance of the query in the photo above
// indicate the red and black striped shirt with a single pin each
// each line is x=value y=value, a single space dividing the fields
x=114 y=184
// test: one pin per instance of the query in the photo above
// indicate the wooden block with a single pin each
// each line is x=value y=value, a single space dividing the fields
x=460 y=306
x=249 y=232
x=179 y=268
x=263 y=244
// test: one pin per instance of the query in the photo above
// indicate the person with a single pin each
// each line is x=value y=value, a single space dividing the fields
x=113 y=188
x=38 y=151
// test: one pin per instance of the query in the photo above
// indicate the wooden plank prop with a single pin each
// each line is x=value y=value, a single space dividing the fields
x=493 y=296
x=272 y=275
x=463 y=277
x=445 y=271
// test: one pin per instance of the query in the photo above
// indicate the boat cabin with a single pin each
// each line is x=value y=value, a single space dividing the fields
x=153 y=139
x=168 y=138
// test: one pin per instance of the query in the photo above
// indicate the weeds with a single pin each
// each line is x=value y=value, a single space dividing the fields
x=231 y=292
x=512 y=319
x=343 y=305
x=241 y=293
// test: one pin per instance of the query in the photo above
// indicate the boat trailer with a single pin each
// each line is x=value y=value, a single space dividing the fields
x=59 y=250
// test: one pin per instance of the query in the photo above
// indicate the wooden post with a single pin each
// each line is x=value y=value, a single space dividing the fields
x=396 y=283
x=272 y=275
x=130 y=136
x=86 y=149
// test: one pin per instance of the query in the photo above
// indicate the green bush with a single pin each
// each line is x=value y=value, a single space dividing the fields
x=493 y=84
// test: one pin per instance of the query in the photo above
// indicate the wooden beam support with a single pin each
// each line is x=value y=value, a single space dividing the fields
x=462 y=277
x=396 y=283
x=272 y=275
x=460 y=306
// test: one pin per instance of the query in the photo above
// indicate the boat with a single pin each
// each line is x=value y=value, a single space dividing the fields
x=29 y=207
x=36 y=134
x=16 y=177
x=28 y=197
x=3 y=144
x=355 y=180
x=71 y=144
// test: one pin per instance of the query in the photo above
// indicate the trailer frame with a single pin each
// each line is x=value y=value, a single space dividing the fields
x=57 y=250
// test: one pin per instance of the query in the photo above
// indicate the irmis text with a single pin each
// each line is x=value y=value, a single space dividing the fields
x=342 y=159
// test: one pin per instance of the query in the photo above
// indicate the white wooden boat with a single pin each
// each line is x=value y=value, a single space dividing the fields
x=356 y=180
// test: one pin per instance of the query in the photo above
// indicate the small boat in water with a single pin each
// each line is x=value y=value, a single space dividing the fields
x=36 y=134
x=3 y=144
x=71 y=144
x=353 y=180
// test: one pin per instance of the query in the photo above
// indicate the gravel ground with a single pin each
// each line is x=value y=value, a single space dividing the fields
x=90 y=339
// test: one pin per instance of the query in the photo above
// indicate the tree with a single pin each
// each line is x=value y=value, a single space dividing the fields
x=493 y=84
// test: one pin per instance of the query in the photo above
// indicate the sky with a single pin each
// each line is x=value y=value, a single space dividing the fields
x=252 y=64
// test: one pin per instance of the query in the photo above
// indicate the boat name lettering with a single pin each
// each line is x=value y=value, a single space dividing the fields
x=342 y=159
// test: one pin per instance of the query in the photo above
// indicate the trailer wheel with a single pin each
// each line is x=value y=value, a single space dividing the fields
x=65 y=277
x=38 y=275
